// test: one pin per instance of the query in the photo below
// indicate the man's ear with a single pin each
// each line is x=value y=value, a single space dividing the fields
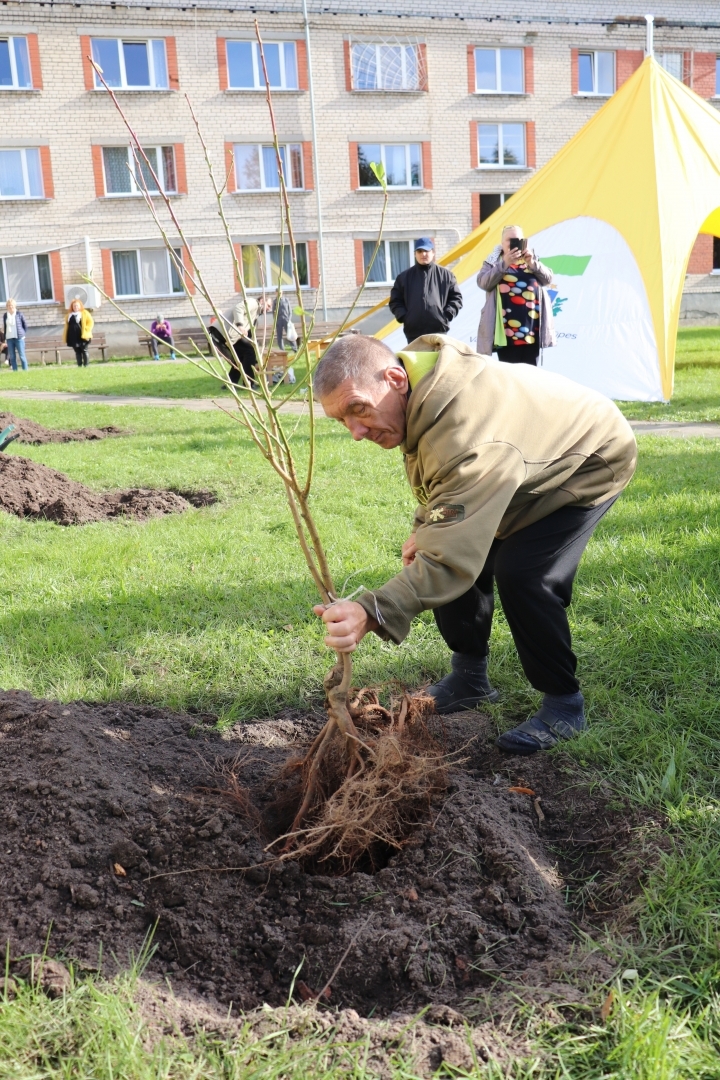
x=397 y=378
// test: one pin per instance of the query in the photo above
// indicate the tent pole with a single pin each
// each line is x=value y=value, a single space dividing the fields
x=649 y=50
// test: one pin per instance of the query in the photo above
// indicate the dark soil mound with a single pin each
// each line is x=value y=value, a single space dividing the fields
x=36 y=434
x=112 y=822
x=31 y=490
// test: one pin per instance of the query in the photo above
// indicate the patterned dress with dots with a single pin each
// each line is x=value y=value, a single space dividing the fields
x=521 y=299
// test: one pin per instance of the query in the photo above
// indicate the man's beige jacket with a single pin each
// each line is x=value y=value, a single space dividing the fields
x=489 y=449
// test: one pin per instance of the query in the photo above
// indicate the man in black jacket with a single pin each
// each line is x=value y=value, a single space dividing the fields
x=425 y=298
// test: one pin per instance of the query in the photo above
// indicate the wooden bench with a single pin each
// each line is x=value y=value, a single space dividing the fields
x=55 y=345
x=183 y=340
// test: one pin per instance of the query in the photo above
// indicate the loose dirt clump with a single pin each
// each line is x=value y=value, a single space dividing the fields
x=29 y=489
x=28 y=431
x=120 y=818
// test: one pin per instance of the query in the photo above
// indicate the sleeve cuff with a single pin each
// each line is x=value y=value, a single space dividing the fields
x=394 y=625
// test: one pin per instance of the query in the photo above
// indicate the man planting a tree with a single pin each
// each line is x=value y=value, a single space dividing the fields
x=513 y=468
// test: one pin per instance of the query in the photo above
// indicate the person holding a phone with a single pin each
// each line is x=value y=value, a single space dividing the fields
x=516 y=321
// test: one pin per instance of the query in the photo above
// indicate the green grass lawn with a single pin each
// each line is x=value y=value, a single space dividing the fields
x=697 y=381
x=192 y=611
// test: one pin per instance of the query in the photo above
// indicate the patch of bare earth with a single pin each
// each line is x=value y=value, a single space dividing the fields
x=29 y=431
x=116 y=818
x=29 y=489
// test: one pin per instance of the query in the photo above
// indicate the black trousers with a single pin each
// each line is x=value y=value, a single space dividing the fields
x=518 y=354
x=81 y=353
x=534 y=569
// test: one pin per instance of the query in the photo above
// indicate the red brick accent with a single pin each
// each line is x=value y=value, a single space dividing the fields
x=98 y=172
x=627 y=61
x=229 y=168
x=313 y=265
x=354 y=167
x=475 y=209
x=237 y=248
x=703 y=76
x=57 y=277
x=189 y=284
x=88 y=70
x=530 y=151
x=34 y=53
x=180 y=171
x=107 y=271
x=701 y=256
x=529 y=70
x=471 y=69
x=423 y=83
x=302 y=63
x=687 y=68
x=172 y=63
x=347 y=62
x=574 y=71
x=359 y=263
x=222 y=62
x=47 y=176
x=308 y=175
x=473 y=144
x=426 y=166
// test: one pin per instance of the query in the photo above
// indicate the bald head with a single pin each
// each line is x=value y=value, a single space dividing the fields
x=361 y=383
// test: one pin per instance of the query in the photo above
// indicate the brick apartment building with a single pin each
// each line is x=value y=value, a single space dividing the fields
x=461 y=103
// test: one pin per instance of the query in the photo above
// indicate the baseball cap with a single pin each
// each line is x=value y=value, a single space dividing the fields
x=424 y=244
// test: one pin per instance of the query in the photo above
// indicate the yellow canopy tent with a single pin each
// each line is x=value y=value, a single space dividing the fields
x=614 y=214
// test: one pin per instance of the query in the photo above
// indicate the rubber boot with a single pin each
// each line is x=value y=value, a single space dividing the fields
x=465 y=687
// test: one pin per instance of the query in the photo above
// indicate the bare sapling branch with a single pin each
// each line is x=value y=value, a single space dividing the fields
x=344 y=773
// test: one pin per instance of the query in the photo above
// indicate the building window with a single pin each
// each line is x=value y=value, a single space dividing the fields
x=256 y=167
x=26 y=279
x=14 y=63
x=266 y=266
x=596 y=73
x=131 y=65
x=20 y=174
x=245 y=70
x=393 y=256
x=717 y=76
x=499 y=71
x=492 y=201
x=501 y=146
x=386 y=67
x=122 y=172
x=146 y=272
x=401 y=162
x=672 y=62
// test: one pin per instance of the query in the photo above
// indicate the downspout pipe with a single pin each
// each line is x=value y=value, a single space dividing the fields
x=316 y=163
x=649 y=47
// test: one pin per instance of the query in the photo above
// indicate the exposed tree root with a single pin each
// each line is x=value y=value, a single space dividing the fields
x=367 y=779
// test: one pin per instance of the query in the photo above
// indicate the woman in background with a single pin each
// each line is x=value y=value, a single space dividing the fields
x=78 y=331
x=14 y=330
x=161 y=329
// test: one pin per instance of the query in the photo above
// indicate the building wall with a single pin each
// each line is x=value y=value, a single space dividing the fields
x=69 y=120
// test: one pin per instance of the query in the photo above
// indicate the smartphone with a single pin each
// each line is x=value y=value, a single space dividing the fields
x=516 y=243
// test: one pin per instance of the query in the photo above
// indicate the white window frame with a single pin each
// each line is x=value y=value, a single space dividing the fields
x=132 y=165
x=263 y=188
x=404 y=89
x=25 y=175
x=25 y=303
x=148 y=296
x=257 y=67
x=408 y=169
x=660 y=57
x=501 y=145
x=11 y=39
x=147 y=42
x=268 y=287
x=595 y=53
x=717 y=76
x=384 y=248
x=497 y=51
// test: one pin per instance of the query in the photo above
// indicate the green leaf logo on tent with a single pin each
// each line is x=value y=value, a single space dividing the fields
x=568 y=265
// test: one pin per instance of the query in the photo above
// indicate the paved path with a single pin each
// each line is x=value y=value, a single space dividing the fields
x=676 y=428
